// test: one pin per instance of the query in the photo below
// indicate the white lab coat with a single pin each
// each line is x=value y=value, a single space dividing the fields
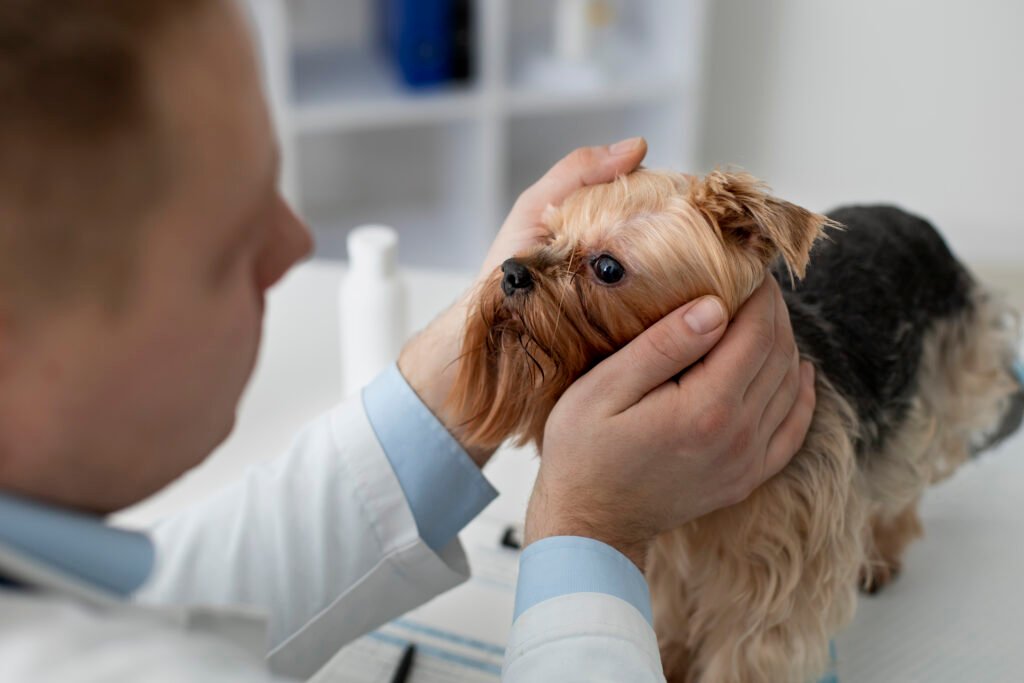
x=269 y=578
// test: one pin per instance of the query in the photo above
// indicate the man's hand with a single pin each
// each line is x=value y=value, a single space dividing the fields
x=430 y=361
x=629 y=452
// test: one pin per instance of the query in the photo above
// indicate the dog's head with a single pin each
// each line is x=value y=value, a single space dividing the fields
x=618 y=257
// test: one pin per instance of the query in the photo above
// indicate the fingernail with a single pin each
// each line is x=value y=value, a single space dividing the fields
x=706 y=315
x=625 y=146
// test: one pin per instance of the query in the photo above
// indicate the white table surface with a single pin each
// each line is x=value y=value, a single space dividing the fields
x=955 y=614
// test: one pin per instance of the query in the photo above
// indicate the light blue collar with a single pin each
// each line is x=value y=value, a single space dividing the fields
x=75 y=544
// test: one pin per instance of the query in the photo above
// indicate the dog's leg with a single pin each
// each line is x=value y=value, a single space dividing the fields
x=890 y=536
x=766 y=583
x=965 y=401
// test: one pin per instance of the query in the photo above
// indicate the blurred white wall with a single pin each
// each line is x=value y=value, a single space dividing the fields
x=907 y=101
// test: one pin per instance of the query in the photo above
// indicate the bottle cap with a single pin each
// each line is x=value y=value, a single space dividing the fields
x=373 y=250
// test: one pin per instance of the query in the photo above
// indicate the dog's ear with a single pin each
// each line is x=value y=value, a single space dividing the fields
x=739 y=206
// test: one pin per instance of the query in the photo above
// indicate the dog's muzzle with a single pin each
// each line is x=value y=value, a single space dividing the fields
x=516 y=277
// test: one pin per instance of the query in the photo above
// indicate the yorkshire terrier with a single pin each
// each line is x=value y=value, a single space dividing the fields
x=914 y=375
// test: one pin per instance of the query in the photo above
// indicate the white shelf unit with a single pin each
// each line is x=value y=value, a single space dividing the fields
x=444 y=165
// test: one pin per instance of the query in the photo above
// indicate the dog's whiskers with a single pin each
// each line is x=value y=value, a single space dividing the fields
x=561 y=299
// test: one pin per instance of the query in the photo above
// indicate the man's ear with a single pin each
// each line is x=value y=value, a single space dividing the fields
x=738 y=205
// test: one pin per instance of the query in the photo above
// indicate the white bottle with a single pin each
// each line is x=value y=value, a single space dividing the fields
x=372 y=310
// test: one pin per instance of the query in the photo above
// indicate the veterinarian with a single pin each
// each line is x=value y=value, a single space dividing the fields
x=140 y=228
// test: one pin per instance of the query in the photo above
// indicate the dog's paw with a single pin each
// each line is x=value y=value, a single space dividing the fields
x=876 y=577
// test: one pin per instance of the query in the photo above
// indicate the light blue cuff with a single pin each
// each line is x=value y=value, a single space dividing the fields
x=445 y=489
x=561 y=565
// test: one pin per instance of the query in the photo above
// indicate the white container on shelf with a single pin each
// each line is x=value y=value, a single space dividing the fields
x=372 y=306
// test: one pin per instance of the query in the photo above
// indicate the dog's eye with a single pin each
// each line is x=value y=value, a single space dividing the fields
x=608 y=270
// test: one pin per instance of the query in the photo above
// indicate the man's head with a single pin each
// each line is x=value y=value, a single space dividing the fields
x=140 y=226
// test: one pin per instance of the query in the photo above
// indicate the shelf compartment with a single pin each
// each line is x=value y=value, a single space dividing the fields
x=535 y=143
x=638 y=42
x=418 y=180
x=339 y=89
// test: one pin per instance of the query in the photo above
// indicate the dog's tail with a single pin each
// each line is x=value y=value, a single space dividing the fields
x=1012 y=417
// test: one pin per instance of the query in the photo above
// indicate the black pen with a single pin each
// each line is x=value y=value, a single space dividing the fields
x=401 y=674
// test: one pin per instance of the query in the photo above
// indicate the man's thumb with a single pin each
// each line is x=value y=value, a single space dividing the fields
x=661 y=352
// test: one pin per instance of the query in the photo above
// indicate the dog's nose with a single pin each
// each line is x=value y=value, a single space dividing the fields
x=517 y=277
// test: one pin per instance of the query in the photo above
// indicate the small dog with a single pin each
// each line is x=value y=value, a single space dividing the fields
x=914 y=375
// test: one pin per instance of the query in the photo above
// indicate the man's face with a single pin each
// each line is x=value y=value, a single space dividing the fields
x=128 y=403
